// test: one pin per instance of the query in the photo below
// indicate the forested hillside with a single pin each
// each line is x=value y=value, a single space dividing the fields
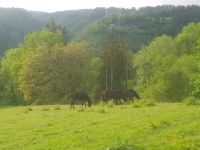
x=152 y=50
x=138 y=27
x=76 y=20
x=15 y=24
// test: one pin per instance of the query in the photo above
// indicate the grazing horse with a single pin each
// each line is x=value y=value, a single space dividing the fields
x=129 y=94
x=115 y=94
x=80 y=96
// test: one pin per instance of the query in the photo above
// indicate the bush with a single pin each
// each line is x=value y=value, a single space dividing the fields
x=191 y=101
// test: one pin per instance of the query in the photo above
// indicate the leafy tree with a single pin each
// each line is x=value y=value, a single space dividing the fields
x=90 y=82
x=114 y=57
x=12 y=62
x=158 y=56
x=50 y=74
x=188 y=38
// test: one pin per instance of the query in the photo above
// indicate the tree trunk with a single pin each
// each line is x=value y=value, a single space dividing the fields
x=106 y=79
x=111 y=77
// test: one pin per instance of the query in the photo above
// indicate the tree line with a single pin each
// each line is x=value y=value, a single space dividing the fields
x=48 y=66
x=137 y=27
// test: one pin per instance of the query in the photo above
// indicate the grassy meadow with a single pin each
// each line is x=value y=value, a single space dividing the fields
x=126 y=127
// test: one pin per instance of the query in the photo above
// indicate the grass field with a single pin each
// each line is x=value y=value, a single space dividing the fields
x=56 y=127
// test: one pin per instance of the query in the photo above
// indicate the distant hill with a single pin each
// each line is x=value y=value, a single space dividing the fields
x=14 y=25
x=76 y=20
x=142 y=26
x=138 y=27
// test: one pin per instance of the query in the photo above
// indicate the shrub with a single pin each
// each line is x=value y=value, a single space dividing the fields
x=191 y=101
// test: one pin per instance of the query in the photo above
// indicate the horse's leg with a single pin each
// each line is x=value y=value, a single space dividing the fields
x=103 y=102
x=115 y=101
x=82 y=104
x=71 y=105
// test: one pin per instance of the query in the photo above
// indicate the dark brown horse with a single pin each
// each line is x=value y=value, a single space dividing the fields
x=81 y=97
x=115 y=94
x=129 y=94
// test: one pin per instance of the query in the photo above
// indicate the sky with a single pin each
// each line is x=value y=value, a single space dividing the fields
x=59 y=5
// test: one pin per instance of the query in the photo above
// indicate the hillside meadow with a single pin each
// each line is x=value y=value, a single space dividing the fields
x=165 y=126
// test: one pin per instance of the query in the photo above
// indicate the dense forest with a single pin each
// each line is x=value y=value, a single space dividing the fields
x=138 y=27
x=16 y=23
x=152 y=50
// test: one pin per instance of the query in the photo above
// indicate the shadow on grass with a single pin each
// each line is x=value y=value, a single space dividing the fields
x=3 y=107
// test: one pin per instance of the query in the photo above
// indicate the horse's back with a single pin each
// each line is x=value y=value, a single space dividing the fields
x=133 y=93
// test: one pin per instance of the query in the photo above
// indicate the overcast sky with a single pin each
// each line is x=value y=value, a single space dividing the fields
x=58 y=5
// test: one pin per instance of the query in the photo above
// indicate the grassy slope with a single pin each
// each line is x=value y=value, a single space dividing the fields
x=165 y=126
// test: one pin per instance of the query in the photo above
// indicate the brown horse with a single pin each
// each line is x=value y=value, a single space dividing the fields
x=80 y=96
x=115 y=94
x=129 y=94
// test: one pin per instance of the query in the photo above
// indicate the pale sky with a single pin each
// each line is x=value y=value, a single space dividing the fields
x=59 y=5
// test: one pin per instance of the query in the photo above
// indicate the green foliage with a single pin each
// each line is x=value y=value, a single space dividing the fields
x=191 y=101
x=15 y=24
x=13 y=61
x=188 y=38
x=140 y=27
x=114 y=56
x=90 y=77
x=47 y=66
x=50 y=74
x=168 y=69
x=151 y=63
